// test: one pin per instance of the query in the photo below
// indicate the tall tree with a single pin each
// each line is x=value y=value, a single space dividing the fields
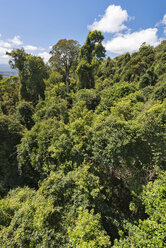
x=90 y=55
x=64 y=54
x=93 y=47
x=32 y=72
x=18 y=59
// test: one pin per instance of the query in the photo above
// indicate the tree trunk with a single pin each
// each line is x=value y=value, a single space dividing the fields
x=67 y=80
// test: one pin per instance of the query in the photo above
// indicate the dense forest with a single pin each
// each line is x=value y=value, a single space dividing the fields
x=82 y=148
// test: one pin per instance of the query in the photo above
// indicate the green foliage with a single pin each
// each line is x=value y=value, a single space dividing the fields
x=55 y=104
x=87 y=160
x=128 y=107
x=68 y=192
x=64 y=56
x=1 y=76
x=35 y=73
x=160 y=59
x=80 y=187
x=51 y=108
x=93 y=47
x=130 y=146
x=109 y=95
x=149 y=78
x=150 y=232
x=80 y=132
x=107 y=69
x=147 y=54
x=42 y=218
x=88 y=231
x=90 y=55
x=90 y=96
x=51 y=142
x=32 y=72
x=85 y=75
x=135 y=68
x=27 y=220
x=24 y=112
x=160 y=92
x=9 y=94
x=55 y=85
x=18 y=59
x=34 y=155
x=10 y=136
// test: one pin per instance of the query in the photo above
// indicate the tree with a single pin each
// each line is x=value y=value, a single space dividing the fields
x=18 y=59
x=147 y=54
x=93 y=47
x=90 y=55
x=32 y=72
x=85 y=75
x=64 y=55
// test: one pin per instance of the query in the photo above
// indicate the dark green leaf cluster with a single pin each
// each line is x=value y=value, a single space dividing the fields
x=32 y=72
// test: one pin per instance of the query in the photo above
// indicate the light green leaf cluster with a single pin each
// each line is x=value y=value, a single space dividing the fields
x=87 y=232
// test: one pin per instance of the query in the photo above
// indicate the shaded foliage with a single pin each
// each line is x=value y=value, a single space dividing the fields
x=10 y=136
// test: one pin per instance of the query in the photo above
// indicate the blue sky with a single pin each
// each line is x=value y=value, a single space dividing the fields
x=36 y=25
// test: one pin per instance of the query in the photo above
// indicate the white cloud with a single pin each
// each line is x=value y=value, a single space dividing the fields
x=8 y=46
x=30 y=48
x=2 y=50
x=41 y=48
x=164 y=23
x=16 y=40
x=164 y=19
x=45 y=56
x=112 y=21
x=4 y=44
x=131 y=42
x=161 y=22
x=33 y=48
x=3 y=57
x=4 y=47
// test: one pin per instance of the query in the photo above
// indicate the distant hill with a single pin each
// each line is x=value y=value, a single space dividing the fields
x=6 y=70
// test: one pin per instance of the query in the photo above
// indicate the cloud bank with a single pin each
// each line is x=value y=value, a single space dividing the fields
x=112 y=21
x=16 y=42
x=45 y=56
x=33 y=48
x=131 y=42
x=122 y=39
